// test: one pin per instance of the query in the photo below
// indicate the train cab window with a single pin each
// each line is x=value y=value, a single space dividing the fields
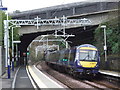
x=88 y=55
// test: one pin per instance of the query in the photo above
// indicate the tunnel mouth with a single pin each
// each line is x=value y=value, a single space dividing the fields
x=81 y=37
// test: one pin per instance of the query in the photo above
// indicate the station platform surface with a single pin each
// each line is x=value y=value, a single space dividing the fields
x=28 y=77
x=22 y=79
x=42 y=80
x=18 y=80
x=5 y=82
x=111 y=73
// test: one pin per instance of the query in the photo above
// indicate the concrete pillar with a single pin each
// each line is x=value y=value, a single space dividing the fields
x=73 y=10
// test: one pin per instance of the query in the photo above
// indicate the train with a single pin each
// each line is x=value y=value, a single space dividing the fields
x=79 y=60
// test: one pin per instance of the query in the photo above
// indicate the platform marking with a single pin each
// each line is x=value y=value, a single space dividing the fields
x=30 y=78
x=36 y=78
x=108 y=73
x=23 y=77
x=48 y=78
x=14 y=80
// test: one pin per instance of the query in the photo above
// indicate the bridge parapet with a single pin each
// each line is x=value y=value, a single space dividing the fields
x=67 y=10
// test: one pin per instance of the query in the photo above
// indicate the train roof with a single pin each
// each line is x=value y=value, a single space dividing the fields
x=87 y=45
x=83 y=45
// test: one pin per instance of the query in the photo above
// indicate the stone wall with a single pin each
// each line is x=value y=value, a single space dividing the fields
x=112 y=64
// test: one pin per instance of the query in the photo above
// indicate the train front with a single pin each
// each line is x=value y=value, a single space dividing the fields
x=87 y=59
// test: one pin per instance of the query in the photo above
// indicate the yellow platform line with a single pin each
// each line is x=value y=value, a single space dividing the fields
x=30 y=78
x=37 y=79
x=59 y=86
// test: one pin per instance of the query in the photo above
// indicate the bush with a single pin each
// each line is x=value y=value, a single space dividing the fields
x=113 y=37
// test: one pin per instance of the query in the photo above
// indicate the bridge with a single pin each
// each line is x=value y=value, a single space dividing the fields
x=97 y=12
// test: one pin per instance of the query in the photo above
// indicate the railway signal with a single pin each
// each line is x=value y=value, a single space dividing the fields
x=65 y=59
x=28 y=53
x=24 y=54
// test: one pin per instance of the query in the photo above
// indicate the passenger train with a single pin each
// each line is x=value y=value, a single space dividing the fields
x=79 y=60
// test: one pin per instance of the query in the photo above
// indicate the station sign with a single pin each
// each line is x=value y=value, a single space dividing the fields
x=3 y=8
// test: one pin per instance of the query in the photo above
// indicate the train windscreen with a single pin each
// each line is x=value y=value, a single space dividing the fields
x=88 y=55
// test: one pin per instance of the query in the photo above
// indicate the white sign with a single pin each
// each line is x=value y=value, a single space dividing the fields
x=16 y=41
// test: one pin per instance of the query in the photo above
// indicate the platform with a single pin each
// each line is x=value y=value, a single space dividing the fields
x=5 y=82
x=42 y=80
x=22 y=79
x=111 y=73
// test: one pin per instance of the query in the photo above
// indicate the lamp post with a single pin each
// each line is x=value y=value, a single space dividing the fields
x=12 y=51
x=105 y=42
x=13 y=48
x=16 y=42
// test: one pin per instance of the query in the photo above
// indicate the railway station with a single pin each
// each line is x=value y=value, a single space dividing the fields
x=66 y=46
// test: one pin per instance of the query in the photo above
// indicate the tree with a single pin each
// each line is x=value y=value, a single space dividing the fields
x=16 y=35
x=113 y=36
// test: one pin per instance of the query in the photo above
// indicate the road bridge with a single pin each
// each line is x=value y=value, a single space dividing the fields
x=73 y=9
x=97 y=12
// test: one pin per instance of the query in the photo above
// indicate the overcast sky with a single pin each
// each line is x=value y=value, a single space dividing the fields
x=24 y=5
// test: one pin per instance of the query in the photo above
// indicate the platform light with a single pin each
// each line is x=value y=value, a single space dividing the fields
x=105 y=41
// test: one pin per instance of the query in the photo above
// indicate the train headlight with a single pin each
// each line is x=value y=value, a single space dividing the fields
x=78 y=63
x=97 y=65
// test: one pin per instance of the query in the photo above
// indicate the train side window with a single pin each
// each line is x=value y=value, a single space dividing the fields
x=66 y=54
x=72 y=55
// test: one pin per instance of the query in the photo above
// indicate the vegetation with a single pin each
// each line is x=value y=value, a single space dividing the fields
x=0 y=29
x=2 y=18
x=113 y=37
x=113 y=44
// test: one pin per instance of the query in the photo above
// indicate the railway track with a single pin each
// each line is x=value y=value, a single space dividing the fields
x=72 y=83
x=95 y=85
x=108 y=85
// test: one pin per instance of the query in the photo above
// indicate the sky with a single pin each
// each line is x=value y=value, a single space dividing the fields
x=24 y=5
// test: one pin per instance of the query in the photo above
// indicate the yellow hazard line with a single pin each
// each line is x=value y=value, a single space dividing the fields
x=36 y=78
x=30 y=78
x=59 y=86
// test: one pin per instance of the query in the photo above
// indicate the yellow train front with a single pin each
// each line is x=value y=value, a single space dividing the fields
x=87 y=60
